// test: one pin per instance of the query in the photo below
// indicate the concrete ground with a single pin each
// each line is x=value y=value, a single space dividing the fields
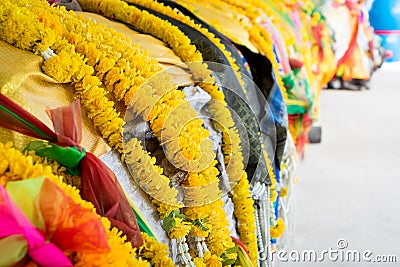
x=349 y=185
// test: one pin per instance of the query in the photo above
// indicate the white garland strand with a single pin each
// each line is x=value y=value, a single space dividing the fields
x=184 y=257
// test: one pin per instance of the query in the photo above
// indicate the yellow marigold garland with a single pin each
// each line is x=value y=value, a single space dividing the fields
x=230 y=136
x=278 y=228
x=154 y=181
x=156 y=252
x=66 y=66
x=243 y=210
x=90 y=82
x=169 y=34
x=121 y=65
x=100 y=109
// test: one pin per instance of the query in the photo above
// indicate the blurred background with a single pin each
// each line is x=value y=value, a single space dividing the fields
x=348 y=184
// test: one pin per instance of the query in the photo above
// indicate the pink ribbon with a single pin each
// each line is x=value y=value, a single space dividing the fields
x=14 y=222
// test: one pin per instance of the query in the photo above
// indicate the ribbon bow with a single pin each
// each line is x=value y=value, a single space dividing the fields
x=99 y=184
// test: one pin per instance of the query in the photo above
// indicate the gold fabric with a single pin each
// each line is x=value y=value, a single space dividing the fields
x=223 y=18
x=22 y=80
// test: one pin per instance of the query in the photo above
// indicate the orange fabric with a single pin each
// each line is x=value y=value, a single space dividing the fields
x=68 y=225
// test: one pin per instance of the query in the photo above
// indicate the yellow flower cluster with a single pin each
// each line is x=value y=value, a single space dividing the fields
x=219 y=239
x=121 y=65
x=27 y=34
x=149 y=177
x=181 y=229
x=66 y=66
x=204 y=177
x=277 y=229
x=157 y=253
x=121 y=252
x=14 y=165
x=244 y=212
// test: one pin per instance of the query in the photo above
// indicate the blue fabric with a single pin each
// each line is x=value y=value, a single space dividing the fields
x=278 y=106
x=278 y=180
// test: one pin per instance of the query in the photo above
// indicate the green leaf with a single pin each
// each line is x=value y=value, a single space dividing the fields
x=169 y=223
x=200 y=224
x=228 y=262
x=177 y=214
x=181 y=216
x=232 y=250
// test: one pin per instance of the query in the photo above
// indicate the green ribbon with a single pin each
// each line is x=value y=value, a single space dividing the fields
x=30 y=125
x=295 y=109
x=288 y=81
x=142 y=225
x=69 y=157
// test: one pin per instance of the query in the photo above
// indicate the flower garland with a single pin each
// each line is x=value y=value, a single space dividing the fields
x=121 y=65
x=100 y=109
x=65 y=66
x=231 y=138
x=258 y=35
x=263 y=39
x=14 y=165
x=154 y=181
x=188 y=143
x=166 y=10
x=181 y=45
x=157 y=253
x=90 y=85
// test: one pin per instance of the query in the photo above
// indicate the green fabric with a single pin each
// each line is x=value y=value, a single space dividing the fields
x=70 y=157
x=13 y=250
x=24 y=193
x=288 y=81
x=294 y=109
x=296 y=71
